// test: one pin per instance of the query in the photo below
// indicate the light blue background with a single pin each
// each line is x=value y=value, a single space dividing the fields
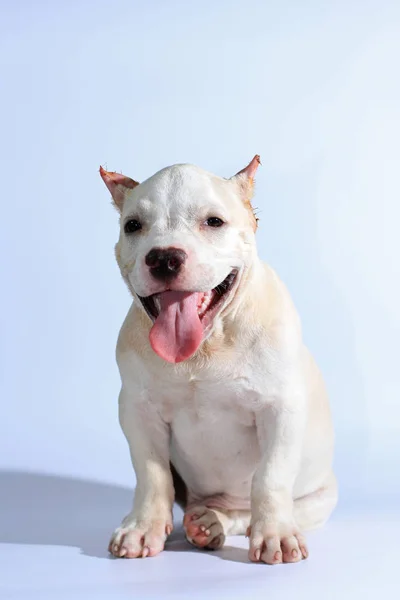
x=311 y=86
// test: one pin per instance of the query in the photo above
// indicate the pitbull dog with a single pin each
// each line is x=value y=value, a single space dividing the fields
x=221 y=403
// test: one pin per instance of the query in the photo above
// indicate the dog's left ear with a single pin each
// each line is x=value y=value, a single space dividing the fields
x=245 y=180
x=118 y=186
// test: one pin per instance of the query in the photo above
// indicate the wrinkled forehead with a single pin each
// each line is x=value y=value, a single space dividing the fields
x=181 y=189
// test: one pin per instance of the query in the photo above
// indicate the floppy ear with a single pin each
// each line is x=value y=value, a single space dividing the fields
x=245 y=182
x=118 y=186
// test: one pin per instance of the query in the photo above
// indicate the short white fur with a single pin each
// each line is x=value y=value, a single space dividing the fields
x=246 y=420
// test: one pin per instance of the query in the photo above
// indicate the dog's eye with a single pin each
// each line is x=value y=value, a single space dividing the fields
x=214 y=222
x=132 y=225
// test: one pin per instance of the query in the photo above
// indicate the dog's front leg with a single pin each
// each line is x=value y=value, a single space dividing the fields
x=274 y=536
x=143 y=532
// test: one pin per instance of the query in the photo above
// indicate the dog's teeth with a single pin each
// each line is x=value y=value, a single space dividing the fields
x=157 y=303
x=204 y=303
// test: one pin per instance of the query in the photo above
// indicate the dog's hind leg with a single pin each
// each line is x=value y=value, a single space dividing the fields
x=208 y=527
x=313 y=510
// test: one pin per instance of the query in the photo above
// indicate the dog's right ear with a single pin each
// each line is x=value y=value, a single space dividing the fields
x=118 y=186
x=245 y=180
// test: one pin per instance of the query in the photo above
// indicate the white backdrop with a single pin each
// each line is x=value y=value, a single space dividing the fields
x=314 y=88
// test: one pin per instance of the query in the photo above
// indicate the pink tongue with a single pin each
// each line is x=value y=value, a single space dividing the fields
x=177 y=332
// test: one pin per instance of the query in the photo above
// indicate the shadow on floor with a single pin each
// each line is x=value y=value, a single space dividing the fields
x=63 y=511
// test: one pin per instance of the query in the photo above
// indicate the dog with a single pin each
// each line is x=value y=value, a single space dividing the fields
x=222 y=405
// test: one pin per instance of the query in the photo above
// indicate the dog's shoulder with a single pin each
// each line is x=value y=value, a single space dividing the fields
x=270 y=308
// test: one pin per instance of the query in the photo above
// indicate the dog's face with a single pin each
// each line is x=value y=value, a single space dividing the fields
x=187 y=238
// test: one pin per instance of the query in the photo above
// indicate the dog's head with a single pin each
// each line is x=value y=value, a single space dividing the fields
x=186 y=242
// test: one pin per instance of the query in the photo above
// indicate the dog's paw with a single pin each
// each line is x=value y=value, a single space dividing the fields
x=274 y=544
x=136 y=538
x=203 y=528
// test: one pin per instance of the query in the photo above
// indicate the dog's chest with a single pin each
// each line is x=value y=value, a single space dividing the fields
x=212 y=432
x=208 y=402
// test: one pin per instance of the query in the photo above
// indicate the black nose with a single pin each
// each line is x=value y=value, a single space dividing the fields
x=165 y=263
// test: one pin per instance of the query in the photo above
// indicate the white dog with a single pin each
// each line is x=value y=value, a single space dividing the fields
x=221 y=403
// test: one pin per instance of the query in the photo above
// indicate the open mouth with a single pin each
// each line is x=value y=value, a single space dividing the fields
x=182 y=320
x=208 y=303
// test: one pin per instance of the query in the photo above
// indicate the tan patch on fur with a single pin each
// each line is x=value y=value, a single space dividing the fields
x=250 y=207
x=246 y=181
x=246 y=187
